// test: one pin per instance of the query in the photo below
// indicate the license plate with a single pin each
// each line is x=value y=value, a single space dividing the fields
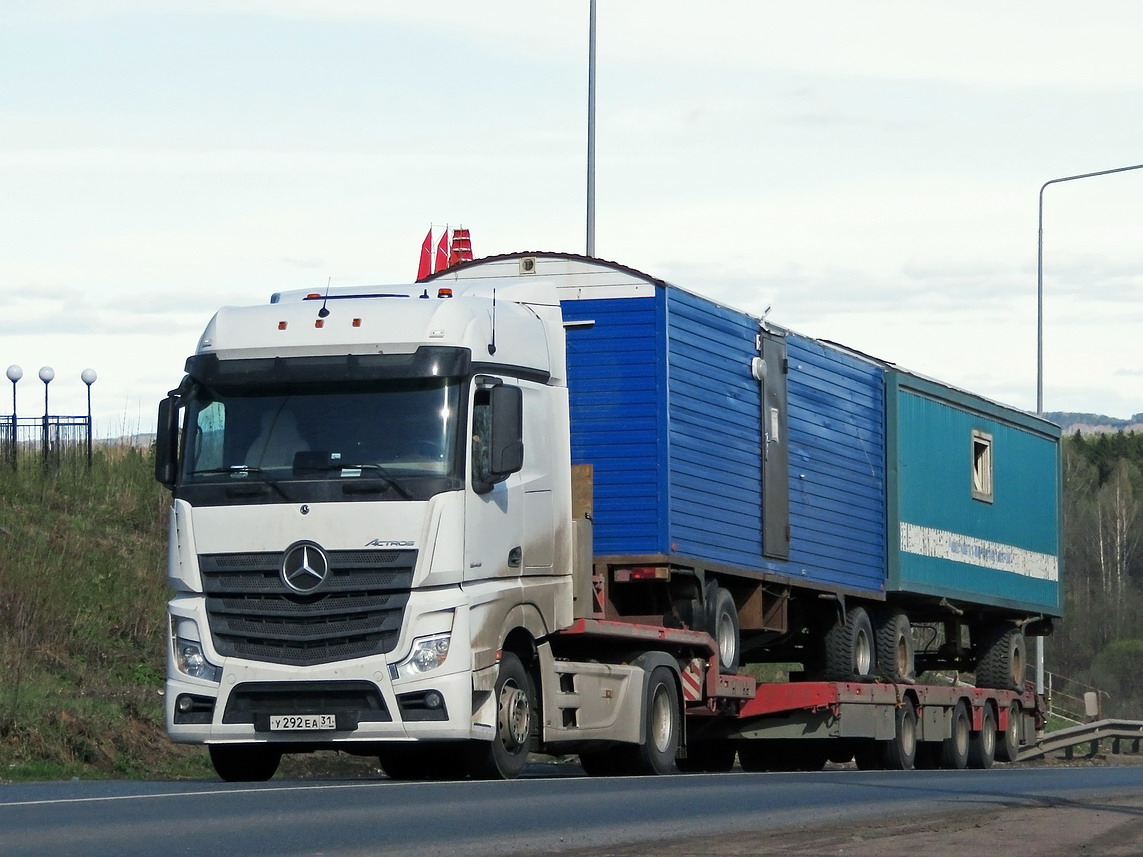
x=302 y=722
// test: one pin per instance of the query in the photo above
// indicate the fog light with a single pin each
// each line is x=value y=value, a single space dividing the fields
x=433 y=700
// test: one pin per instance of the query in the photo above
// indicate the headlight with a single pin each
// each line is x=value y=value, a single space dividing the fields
x=190 y=660
x=427 y=655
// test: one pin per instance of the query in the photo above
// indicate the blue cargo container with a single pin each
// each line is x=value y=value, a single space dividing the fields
x=725 y=444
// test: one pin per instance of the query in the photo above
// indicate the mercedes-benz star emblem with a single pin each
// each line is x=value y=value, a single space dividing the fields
x=304 y=567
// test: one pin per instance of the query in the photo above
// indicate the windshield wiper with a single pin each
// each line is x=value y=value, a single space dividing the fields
x=236 y=469
x=389 y=480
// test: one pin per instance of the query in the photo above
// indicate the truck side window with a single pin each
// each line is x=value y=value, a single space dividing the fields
x=481 y=435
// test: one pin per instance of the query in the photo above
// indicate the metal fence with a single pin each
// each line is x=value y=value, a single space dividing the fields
x=50 y=441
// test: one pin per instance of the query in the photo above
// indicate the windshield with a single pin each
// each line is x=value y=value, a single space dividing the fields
x=395 y=432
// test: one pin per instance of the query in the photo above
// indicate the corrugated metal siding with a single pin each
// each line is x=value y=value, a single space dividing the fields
x=715 y=440
x=837 y=466
x=618 y=417
x=934 y=465
x=664 y=406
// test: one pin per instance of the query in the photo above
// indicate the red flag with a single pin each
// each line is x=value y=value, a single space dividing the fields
x=426 y=266
x=442 y=251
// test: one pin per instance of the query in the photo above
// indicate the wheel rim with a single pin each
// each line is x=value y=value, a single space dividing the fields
x=662 y=720
x=962 y=733
x=862 y=653
x=1017 y=666
x=515 y=716
x=725 y=639
x=908 y=736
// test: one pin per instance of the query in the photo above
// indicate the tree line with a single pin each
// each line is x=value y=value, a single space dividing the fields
x=1100 y=639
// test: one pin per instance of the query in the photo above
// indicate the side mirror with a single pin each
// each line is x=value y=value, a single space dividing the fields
x=507 y=443
x=167 y=442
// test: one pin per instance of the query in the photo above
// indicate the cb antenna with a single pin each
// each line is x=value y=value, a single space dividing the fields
x=324 y=311
x=492 y=344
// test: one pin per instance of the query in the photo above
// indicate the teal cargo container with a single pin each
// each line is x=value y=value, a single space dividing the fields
x=974 y=490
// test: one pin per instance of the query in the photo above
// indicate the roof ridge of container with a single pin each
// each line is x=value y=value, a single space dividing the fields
x=549 y=254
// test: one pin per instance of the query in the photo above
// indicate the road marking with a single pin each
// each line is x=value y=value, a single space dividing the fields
x=273 y=790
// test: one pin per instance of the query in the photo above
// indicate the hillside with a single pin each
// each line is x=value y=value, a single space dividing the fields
x=83 y=624
x=1088 y=424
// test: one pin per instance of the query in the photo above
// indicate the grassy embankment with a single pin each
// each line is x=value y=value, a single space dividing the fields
x=83 y=621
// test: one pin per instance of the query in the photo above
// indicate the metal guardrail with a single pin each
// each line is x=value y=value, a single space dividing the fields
x=1093 y=734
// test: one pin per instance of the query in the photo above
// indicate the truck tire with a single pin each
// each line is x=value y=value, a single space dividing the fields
x=504 y=757
x=663 y=727
x=712 y=757
x=1008 y=747
x=982 y=745
x=849 y=648
x=954 y=749
x=722 y=624
x=895 y=646
x=1001 y=662
x=245 y=763
x=900 y=753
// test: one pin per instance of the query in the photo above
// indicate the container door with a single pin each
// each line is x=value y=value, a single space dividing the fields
x=775 y=452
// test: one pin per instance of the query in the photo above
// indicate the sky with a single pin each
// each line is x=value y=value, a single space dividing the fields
x=870 y=171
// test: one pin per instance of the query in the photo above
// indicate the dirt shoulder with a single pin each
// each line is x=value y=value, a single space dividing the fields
x=1109 y=827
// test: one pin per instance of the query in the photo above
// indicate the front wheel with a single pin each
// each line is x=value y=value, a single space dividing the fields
x=504 y=757
x=245 y=763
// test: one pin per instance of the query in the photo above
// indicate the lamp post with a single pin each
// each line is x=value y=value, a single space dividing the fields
x=47 y=373
x=1040 y=276
x=14 y=373
x=591 y=130
x=1040 y=339
x=88 y=377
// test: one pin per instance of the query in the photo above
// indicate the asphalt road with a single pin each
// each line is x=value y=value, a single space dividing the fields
x=527 y=816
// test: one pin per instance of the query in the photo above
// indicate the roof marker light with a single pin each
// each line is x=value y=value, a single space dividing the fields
x=313 y=296
x=357 y=322
x=444 y=293
x=319 y=322
x=282 y=325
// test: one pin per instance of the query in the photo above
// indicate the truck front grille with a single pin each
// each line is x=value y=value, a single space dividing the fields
x=357 y=613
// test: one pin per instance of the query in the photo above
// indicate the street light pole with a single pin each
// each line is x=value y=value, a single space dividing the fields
x=1040 y=276
x=591 y=130
x=1040 y=340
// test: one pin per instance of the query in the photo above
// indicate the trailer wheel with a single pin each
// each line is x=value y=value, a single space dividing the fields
x=982 y=746
x=1008 y=747
x=1002 y=660
x=849 y=648
x=954 y=749
x=663 y=722
x=245 y=763
x=713 y=757
x=895 y=646
x=722 y=624
x=900 y=753
x=504 y=757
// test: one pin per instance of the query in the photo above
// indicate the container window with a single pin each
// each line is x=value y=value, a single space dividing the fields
x=981 y=466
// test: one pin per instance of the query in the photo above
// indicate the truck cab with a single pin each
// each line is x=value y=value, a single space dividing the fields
x=370 y=521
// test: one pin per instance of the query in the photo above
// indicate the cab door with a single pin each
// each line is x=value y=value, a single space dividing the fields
x=494 y=501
